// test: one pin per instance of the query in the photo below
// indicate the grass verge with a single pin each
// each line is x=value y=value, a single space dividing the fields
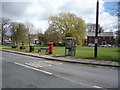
x=104 y=53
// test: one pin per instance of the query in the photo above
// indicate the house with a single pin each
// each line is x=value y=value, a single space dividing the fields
x=103 y=38
x=5 y=37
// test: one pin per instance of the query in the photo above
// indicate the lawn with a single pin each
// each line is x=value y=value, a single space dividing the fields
x=104 y=53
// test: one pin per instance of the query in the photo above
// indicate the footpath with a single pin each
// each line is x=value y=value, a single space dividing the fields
x=68 y=59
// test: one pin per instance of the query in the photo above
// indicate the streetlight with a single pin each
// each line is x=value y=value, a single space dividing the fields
x=96 y=32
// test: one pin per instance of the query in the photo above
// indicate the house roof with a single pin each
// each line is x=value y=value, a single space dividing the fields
x=104 y=34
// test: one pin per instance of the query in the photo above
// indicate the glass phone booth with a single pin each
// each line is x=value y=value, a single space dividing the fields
x=70 y=46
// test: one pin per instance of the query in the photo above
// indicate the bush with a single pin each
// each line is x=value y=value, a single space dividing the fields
x=14 y=46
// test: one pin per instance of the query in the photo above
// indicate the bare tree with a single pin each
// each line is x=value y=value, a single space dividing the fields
x=19 y=32
x=92 y=27
x=30 y=27
x=40 y=36
x=118 y=36
x=4 y=27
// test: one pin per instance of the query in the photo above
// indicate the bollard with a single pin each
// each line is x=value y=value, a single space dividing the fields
x=31 y=49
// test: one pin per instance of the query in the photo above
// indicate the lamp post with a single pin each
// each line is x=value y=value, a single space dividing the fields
x=96 y=32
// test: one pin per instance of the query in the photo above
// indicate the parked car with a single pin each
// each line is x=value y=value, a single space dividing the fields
x=118 y=45
x=7 y=42
x=106 y=45
x=33 y=44
x=91 y=45
x=102 y=45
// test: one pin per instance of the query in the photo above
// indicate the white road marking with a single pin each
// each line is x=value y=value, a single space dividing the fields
x=50 y=65
x=40 y=64
x=53 y=62
x=32 y=68
x=1 y=58
x=97 y=87
x=37 y=65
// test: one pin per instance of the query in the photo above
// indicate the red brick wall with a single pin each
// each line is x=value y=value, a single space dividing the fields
x=101 y=40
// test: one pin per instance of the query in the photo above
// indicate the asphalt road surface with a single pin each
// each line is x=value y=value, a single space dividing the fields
x=20 y=71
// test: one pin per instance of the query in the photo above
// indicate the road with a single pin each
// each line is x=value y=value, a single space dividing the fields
x=20 y=71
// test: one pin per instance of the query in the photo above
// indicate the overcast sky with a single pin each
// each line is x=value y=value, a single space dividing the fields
x=39 y=11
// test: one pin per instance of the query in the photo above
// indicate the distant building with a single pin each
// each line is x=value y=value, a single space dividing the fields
x=34 y=38
x=6 y=38
x=103 y=38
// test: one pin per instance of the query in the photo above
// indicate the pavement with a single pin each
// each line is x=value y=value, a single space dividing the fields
x=68 y=59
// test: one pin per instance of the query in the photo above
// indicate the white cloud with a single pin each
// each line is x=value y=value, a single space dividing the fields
x=38 y=11
x=108 y=21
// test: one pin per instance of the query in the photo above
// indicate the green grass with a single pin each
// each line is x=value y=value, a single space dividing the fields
x=27 y=49
x=4 y=45
x=104 y=53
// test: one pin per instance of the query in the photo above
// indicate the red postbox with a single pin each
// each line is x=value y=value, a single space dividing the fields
x=50 y=48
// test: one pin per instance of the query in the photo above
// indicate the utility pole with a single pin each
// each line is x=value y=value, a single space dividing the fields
x=2 y=35
x=96 y=32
